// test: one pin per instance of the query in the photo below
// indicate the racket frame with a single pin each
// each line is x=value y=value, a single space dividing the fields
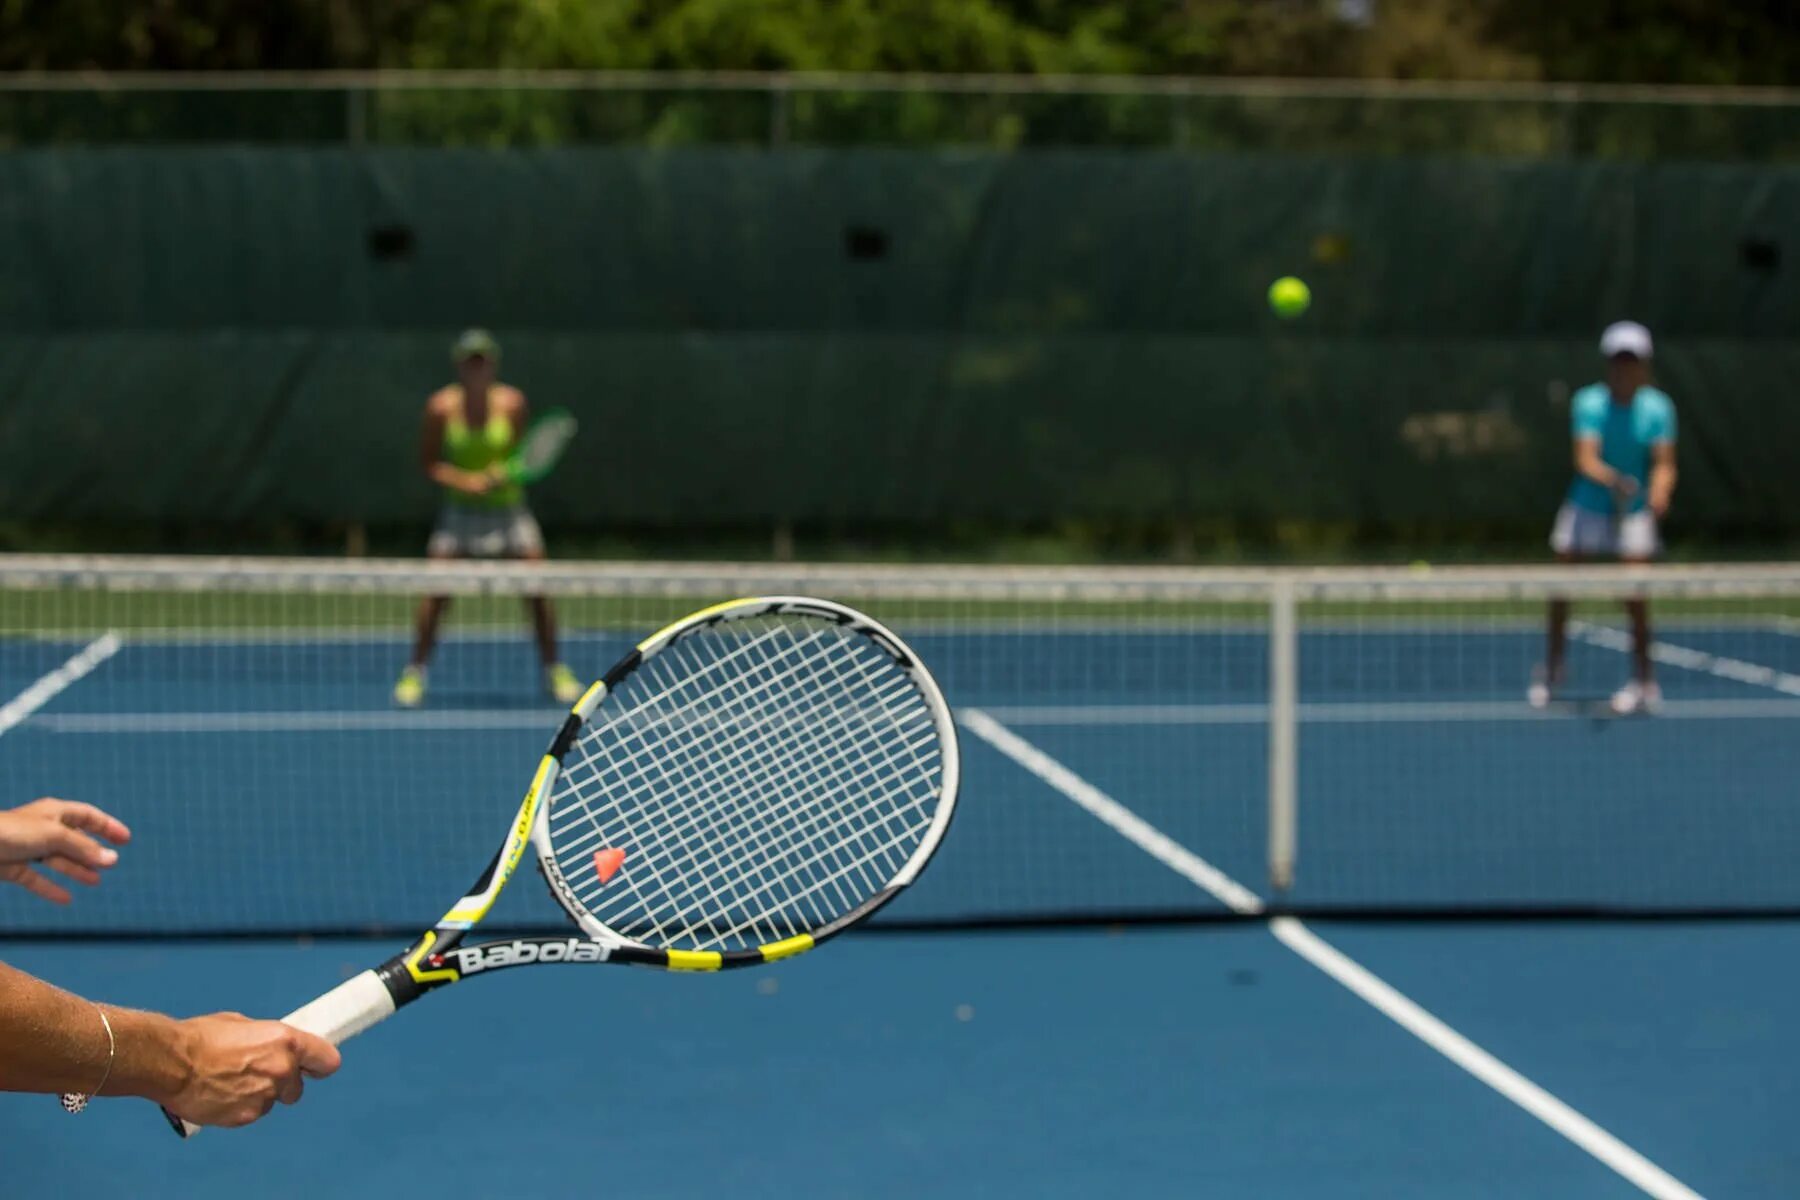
x=518 y=470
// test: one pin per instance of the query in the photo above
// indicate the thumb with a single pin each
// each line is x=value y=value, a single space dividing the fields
x=318 y=1057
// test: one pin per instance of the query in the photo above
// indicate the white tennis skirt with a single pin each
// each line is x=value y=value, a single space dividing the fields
x=1592 y=534
x=464 y=531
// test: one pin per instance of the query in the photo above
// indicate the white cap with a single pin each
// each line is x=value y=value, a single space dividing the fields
x=1625 y=337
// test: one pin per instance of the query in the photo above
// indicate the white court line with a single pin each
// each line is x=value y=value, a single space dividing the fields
x=1689 y=659
x=1359 y=712
x=46 y=689
x=1116 y=816
x=1393 y=1004
x=284 y=636
x=298 y=722
x=1296 y=936
x=1047 y=715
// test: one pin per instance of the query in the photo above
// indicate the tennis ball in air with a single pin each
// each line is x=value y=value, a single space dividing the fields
x=1289 y=297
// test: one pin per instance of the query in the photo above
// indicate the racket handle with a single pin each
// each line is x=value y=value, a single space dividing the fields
x=346 y=1010
x=337 y=1016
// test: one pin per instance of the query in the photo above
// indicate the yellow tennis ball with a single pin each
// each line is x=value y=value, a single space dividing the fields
x=1289 y=297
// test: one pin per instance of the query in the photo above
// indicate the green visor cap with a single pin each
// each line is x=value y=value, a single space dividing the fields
x=475 y=343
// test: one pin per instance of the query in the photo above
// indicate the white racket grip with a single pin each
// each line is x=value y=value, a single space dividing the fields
x=346 y=1010
x=337 y=1016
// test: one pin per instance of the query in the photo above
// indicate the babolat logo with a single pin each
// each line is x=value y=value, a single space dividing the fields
x=519 y=952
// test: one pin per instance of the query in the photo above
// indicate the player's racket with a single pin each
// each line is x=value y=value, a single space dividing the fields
x=542 y=447
x=747 y=782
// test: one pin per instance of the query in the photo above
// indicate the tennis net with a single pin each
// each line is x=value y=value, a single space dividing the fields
x=1333 y=740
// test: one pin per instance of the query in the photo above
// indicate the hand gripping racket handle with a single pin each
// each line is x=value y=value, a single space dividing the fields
x=337 y=1016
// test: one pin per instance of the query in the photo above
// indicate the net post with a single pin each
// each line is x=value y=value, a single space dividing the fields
x=1284 y=688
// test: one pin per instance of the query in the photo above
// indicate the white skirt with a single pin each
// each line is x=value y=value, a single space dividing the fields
x=1590 y=534
x=464 y=531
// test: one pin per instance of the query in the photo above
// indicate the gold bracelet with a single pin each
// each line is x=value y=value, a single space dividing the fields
x=74 y=1102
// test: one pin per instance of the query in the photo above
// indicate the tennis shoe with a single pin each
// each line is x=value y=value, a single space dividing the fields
x=409 y=692
x=563 y=685
x=1637 y=696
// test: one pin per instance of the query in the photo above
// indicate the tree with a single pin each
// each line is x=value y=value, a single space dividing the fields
x=1645 y=41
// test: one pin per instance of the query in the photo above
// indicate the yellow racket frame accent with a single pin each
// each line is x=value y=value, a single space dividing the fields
x=695 y=960
x=691 y=619
x=786 y=947
x=471 y=909
x=419 y=973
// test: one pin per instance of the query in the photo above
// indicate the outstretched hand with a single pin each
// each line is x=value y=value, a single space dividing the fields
x=60 y=835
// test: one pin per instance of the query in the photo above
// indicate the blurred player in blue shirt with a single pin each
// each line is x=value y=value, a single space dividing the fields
x=1624 y=434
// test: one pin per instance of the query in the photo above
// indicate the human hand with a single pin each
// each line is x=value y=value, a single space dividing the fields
x=239 y=1068
x=55 y=834
x=475 y=483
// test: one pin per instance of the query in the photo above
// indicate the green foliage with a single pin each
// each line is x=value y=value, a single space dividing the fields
x=1691 y=41
x=1740 y=43
x=1648 y=41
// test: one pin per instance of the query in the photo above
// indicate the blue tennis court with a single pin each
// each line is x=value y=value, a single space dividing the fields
x=1151 y=1062
x=268 y=779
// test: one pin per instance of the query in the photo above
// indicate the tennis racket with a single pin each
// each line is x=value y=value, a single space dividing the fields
x=748 y=782
x=542 y=447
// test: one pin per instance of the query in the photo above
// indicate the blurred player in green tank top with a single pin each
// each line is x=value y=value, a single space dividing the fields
x=470 y=428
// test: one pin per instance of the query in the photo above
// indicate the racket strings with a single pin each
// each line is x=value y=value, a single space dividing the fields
x=720 y=900
x=807 y=743
x=855 y=859
x=859 y=774
x=759 y=870
x=727 y=753
x=764 y=777
x=710 y=818
x=728 y=749
x=544 y=441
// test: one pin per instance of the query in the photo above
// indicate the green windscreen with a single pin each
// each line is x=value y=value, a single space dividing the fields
x=751 y=335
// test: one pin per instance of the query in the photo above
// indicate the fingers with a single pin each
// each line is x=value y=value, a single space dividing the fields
x=312 y=1056
x=318 y=1057
x=73 y=870
x=77 y=847
x=36 y=884
x=93 y=820
x=257 y=1110
x=54 y=828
